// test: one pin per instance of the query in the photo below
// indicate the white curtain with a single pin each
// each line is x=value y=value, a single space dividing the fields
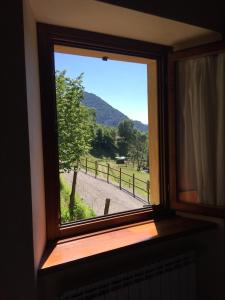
x=201 y=128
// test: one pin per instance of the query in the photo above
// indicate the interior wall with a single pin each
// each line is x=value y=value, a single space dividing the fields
x=208 y=243
x=211 y=15
x=110 y=19
x=211 y=259
x=35 y=135
x=17 y=262
x=209 y=280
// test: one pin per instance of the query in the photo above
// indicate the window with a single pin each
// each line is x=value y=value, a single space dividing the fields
x=197 y=130
x=54 y=39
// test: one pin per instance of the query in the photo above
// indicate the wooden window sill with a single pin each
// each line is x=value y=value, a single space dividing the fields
x=70 y=251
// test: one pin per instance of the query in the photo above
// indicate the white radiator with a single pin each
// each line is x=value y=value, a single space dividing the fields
x=173 y=278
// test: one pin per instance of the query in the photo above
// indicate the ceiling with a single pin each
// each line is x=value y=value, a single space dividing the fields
x=207 y=14
x=120 y=21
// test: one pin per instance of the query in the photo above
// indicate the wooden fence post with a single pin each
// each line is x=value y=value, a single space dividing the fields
x=120 y=178
x=148 y=190
x=133 y=185
x=86 y=165
x=107 y=203
x=96 y=169
x=108 y=173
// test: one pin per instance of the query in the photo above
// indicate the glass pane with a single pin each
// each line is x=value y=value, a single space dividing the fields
x=201 y=130
x=102 y=118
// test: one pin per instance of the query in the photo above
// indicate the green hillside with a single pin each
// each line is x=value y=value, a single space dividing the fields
x=108 y=115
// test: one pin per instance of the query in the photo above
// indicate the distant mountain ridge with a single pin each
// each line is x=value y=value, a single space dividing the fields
x=108 y=115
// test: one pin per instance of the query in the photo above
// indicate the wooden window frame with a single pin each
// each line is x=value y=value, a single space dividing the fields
x=174 y=196
x=48 y=37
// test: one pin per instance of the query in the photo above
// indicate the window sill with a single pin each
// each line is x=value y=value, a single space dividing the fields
x=70 y=251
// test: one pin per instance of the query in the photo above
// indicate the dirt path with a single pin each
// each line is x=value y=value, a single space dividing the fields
x=95 y=191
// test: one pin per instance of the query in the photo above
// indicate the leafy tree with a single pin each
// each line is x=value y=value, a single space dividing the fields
x=99 y=136
x=75 y=127
x=126 y=129
x=104 y=142
x=109 y=140
x=126 y=134
x=138 y=150
x=132 y=143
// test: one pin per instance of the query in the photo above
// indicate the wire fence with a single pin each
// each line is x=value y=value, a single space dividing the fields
x=130 y=183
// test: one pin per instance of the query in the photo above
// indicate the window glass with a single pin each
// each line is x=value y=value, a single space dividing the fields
x=201 y=130
x=103 y=135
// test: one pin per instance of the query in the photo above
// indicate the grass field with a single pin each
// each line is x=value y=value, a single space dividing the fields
x=81 y=211
x=127 y=171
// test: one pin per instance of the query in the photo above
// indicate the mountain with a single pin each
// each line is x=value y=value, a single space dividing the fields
x=108 y=115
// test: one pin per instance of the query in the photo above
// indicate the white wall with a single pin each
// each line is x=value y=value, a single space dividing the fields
x=35 y=136
x=211 y=268
x=214 y=254
x=110 y=19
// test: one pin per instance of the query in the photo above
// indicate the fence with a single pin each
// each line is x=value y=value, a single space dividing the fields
x=123 y=179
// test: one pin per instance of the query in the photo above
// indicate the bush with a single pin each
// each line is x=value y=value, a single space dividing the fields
x=81 y=210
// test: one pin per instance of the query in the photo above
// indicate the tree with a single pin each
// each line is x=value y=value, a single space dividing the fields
x=99 y=136
x=126 y=129
x=126 y=134
x=108 y=141
x=104 y=142
x=75 y=127
x=138 y=150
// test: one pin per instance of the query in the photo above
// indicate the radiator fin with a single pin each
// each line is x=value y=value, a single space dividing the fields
x=167 y=279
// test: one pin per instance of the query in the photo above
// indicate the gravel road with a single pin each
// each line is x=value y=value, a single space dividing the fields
x=95 y=191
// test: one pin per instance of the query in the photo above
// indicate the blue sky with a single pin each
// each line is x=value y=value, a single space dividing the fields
x=121 y=84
